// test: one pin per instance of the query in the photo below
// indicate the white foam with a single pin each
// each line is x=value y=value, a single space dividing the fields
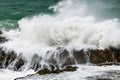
x=81 y=74
x=68 y=27
x=6 y=74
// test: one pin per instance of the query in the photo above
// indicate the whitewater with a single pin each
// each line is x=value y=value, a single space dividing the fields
x=70 y=27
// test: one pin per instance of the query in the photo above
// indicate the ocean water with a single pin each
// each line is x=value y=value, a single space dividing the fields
x=13 y=10
x=38 y=26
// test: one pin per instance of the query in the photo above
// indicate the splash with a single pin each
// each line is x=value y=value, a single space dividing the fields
x=70 y=27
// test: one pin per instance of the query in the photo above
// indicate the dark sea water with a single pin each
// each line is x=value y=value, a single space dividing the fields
x=13 y=10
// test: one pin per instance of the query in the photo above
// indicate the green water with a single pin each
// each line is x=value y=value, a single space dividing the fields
x=13 y=10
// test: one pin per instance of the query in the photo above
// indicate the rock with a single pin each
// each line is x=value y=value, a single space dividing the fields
x=70 y=68
x=44 y=71
x=64 y=54
x=1 y=32
x=107 y=64
x=59 y=58
x=9 y=57
x=2 y=57
x=68 y=61
x=79 y=56
x=19 y=64
x=2 y=39
x=56 y=71
x=111 y=55
x=100 y=56
x=104 y=79
x=35 y=63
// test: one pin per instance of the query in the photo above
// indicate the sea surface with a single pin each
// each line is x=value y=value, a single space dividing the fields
x=13 y=10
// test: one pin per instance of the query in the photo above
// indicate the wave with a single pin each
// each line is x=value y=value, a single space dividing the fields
x=70 y=27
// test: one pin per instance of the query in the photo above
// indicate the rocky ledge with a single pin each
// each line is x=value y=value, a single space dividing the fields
x=59 y=58
x=47 y=71
x=56 y=71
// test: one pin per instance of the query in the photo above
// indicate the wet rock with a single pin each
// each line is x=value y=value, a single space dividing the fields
x=59 y=58
x=2 y=57
x=3 y=39
x=53 y=63
x=105 y=79
x=1 y=32
x=108 y=56
x=107 y=64
x=35 y=63
x=19 y=64
x=9 y=57
x=70 y=68
x=68 y=61
x=6 y=58
x=64 y=54
x=100 y=56
x=44 y=71
x=79 y=56
x=56 y=71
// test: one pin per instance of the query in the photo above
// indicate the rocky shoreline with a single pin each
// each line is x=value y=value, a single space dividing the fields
x=98 y=57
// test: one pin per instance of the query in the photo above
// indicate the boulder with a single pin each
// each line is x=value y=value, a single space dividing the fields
x=44 y=71
x=56 y=71
x=68 y=61
x=70 y=68
x=1 y=32
x=108 y=56
x=35 y=62
x=79 y=56
x=104 y=79
x=19 y=64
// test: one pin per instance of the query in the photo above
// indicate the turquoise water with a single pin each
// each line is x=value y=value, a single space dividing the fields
x=13 y=10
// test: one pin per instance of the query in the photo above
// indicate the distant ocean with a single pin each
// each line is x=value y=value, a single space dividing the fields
x=13 y=10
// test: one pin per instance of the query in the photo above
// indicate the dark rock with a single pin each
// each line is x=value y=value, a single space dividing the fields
x=52 y=61
x=10 y=57
x=56 y=71
x=68 y=61
x=35 y=63
x=80 y=56
x=70 y=68
x=47 y=71
x=108 y=64
x=100 y=56
x=104 y=79
x=19 y=64
x=64 y=54
x=44 y=71
x=111 y=55
x=1 y=32
x=3 y=39
x=2 y=57
x=59 y=58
